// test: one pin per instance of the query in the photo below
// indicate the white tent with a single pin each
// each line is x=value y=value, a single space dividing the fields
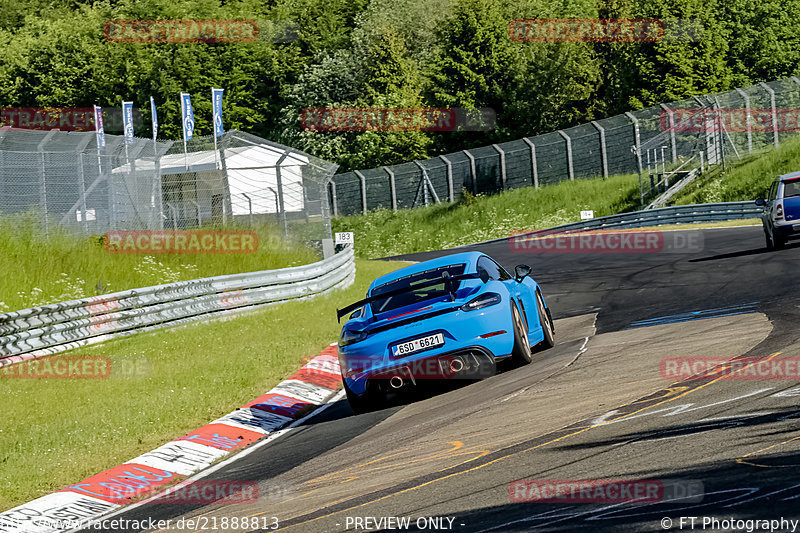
x=252 y=173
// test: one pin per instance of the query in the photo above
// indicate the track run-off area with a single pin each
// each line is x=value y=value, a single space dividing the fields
x=597 y=406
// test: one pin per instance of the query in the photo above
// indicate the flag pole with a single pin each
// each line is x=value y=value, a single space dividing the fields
x=183 y=119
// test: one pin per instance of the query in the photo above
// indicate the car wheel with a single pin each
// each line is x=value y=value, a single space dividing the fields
x=770 y=246
x=547 y=325
x=359 y=404
x=521 y=354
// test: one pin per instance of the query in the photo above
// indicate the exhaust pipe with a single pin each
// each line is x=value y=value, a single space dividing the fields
x=396 y=382
x=456 y=365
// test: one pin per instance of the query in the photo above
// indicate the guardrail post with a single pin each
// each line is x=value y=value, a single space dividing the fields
x=363 y=182
x=502 y=166
x=392 y=188
x=472 y=172
x=534 y=167
x=774 y=111
x=335 y=201
x=671 y=117
x=603 y=153
x=748 y=118
x=637 y=150
x=569 y=154
x=450 y=192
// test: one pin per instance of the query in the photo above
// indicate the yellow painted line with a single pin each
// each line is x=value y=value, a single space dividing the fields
x=526 y=450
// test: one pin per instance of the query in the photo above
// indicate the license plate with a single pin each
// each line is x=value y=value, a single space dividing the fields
x=423 y=343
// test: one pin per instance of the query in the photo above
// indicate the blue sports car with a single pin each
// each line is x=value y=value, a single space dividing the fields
x=454 y=316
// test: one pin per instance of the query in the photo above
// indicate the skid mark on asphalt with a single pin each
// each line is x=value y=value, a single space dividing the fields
x=696 y=315
x=668 y=394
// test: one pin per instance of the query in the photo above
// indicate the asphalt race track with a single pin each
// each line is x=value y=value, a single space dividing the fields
x=595 y=407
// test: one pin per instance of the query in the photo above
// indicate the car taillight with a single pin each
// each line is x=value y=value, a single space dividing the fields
x=779 y=212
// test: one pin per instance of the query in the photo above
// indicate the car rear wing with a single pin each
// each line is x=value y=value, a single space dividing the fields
x=352 y=307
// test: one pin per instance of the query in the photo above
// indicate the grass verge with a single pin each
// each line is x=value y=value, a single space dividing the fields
x=747 y=179
x=62 y=266
x=383 y=233
x=57 y=432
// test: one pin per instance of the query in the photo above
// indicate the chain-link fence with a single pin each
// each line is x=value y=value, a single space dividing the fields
x=67 y=181
x=663 y=144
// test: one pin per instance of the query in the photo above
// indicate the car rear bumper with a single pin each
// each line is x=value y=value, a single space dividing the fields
x=786 y=230
x=471 y=362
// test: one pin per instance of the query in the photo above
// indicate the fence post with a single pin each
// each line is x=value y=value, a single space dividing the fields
x=392 y=188
x=774 y=111
x=671 y=117
x=281 y=203
x=534 y=167
x=748 y=118
x=569 y=153
x=637 y=150
x=450 y=192
x=711 y=156
x=363 y=190
x=82 y=181
x=603 y=153
x=472 y=171
x=333 y=197
x=502 y=166
x=43 y=183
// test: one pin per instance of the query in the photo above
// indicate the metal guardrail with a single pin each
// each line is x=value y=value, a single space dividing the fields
x=56 y=327
x=679 y=214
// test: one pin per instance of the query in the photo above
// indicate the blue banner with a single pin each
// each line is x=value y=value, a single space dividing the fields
x=98 y=127
x=188 y=116
x=155 y=118
x=127 y=121
x=216 y=101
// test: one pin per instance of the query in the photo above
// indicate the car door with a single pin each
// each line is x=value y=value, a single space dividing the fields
x=769 y=208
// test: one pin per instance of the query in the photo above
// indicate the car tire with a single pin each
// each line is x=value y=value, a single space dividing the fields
x=770 y=245
x=359 y=404
x=521 y=354
x=546 y=321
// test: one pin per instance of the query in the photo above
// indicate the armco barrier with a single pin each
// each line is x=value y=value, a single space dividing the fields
x=679 y=214
x=50 y=328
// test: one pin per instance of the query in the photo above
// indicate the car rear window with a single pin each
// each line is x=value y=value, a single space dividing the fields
x=412 y=295
x=791 y=188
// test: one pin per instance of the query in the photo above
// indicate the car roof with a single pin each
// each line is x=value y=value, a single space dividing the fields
x=470 y=258
x=790 y=175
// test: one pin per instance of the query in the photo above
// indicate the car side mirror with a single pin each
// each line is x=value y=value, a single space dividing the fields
x=761 y=202
x=520 y=271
